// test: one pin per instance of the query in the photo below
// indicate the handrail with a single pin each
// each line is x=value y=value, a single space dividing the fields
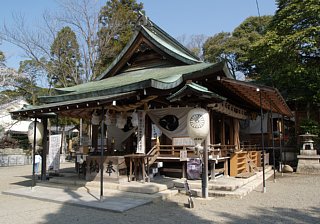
x=249 y=147
x=154 y=151
x=221 y=150
x=213 y=150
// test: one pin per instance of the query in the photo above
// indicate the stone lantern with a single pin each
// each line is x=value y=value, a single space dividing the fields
x=308 y=160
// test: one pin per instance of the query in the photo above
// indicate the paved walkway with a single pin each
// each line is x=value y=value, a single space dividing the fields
x=293 y=198
x=112 y=201
x=121 y=200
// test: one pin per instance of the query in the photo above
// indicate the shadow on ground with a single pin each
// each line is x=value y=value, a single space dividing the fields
x=275 y=215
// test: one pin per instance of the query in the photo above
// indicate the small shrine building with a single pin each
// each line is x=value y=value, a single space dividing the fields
x=139 y=105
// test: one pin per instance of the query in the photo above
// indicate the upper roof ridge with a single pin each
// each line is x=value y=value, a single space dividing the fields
x=158 y=37
x=145 y=21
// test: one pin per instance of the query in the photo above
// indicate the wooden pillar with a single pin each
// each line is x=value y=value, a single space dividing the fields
x=148 y=133
x=95 y=135
x=212 y=128
x=223 y=131
x=231 y=132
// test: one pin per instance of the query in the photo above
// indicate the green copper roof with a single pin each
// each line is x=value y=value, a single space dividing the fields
x=161 y=40
x=160 y=78
x=193 y=88
x=169 y=39
x=80 y=101
x=170 y=47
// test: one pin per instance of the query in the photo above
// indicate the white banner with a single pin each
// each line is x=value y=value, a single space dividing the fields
x=54 y=152
x=141 y=138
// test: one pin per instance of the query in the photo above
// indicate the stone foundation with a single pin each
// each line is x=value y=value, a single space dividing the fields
x=309 y=169
x=308 y=162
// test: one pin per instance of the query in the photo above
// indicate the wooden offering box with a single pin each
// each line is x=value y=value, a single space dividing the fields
x=114 y=167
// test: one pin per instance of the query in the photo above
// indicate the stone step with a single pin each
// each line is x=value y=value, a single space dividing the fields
x=237 y=193
x=162 y=187
x=133 y=186
x=224 y=183
x=132 y=193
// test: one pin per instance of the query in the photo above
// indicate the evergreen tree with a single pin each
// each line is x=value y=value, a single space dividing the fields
x=234 y=47
x=288 y=57
x=65 y=67
x=117 y=19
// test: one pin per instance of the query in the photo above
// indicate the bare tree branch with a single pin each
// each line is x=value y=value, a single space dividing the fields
x=7 y=77
x=82 y=17
x=194 y=43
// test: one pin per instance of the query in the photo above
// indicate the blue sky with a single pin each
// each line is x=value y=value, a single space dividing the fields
x=176 y=17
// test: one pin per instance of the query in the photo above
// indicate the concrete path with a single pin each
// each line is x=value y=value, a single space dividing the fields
x=112 y=201
x=120 y=200
x=293 y=198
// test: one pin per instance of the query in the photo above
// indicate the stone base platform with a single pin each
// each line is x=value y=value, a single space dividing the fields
x=308 y=162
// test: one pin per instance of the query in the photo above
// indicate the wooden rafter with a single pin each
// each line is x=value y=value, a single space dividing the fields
x=271 y=98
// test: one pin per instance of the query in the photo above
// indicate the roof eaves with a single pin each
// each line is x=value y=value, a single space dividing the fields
x=166 y=85
x=270 y=93
x=99 y=93
x=196 y=89
x=160 y=78
x=36 y=109
x=206 y=70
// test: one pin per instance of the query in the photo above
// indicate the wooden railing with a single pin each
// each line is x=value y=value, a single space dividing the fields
x=250 y=147
x=174 y=150
x=154 y=152
x=221 y=150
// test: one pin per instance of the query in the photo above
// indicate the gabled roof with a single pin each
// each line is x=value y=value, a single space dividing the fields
x=150 y=34
x=197 y=92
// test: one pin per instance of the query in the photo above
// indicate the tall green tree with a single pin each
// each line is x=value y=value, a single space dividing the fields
x=65 y=67
x=234 y=47
x=117 y=19
x=288 y=57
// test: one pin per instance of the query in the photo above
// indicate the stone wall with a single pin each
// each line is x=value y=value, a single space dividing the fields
x=14 y=157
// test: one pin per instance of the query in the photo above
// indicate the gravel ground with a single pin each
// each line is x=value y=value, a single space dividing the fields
x=293 y=198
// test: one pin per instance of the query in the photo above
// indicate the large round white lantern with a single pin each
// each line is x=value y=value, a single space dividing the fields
x=198 y=125
x=39 y=132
